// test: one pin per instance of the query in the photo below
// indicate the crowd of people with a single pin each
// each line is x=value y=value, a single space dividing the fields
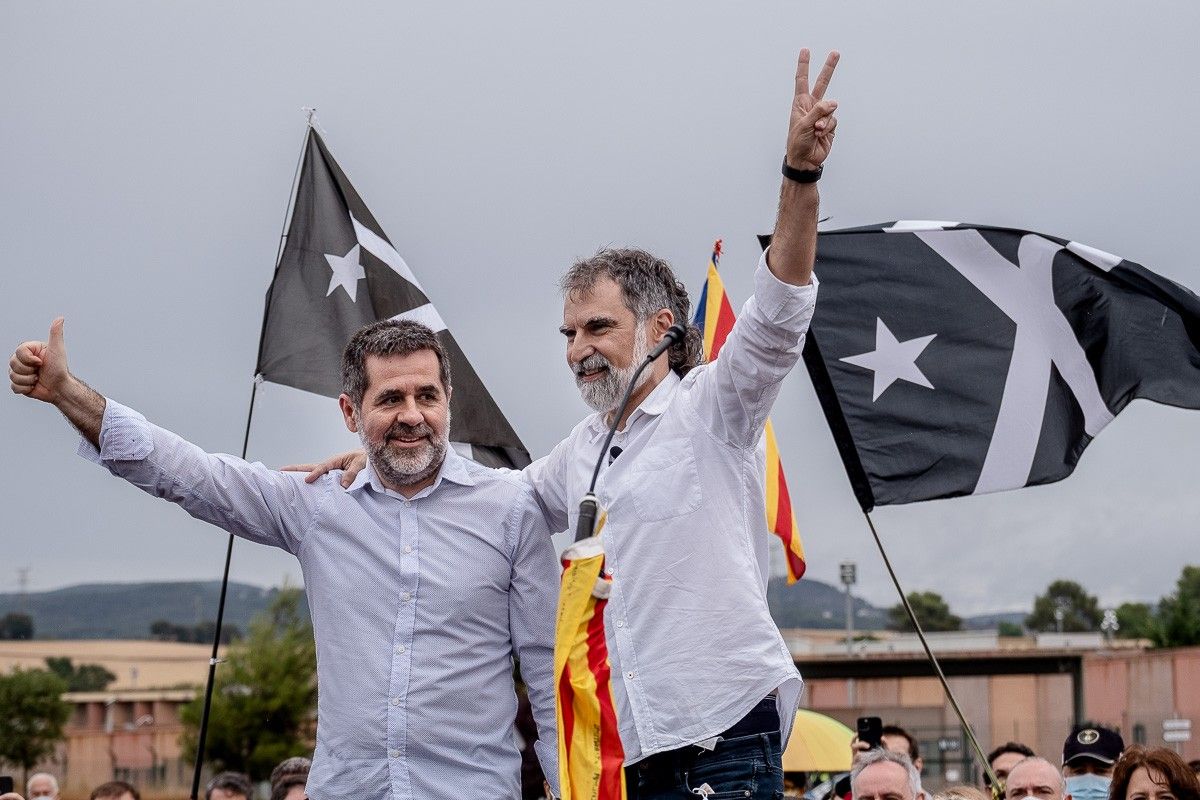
x=287 y=782
x=1094 y=764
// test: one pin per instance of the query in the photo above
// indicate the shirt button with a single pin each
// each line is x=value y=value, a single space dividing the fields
x=393 y=753
x=399 y=648
x=610 y=572
x=407 y=548
x=395 y=701
x=406 y=596
x=629 y=675
x=620 y=623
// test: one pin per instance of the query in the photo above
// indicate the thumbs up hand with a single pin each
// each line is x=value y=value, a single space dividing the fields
x=39 y=369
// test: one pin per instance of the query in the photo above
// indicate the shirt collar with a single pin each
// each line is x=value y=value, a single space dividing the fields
x=654 y=404
x=454 y=469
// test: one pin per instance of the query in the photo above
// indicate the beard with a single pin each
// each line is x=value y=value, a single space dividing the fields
x=406 y=466
x=604 y=393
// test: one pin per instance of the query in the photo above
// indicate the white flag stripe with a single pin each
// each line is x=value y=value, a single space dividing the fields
x=377 y=246
x=427 y=315
x=1026 y=295
x=1099 y=258
x=910 y=225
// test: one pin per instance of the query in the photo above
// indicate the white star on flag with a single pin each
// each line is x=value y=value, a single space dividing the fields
x=347 y=272
x=892 y=360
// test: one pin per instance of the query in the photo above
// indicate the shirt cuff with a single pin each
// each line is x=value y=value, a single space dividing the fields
x=124 y=436
x=779 y=300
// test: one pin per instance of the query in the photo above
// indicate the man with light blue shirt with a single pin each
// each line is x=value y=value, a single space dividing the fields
x=425 y=578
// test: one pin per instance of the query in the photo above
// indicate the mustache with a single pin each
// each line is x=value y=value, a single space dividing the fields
x=593 y=362
x=402 y=430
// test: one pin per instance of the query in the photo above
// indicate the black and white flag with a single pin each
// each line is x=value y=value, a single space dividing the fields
x=339 y=272
x=962 y=359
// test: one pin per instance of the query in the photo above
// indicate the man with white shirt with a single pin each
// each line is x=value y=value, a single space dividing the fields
x=424 y=578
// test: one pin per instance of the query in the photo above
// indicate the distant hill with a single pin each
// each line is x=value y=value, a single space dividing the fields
x=809 y=603
x=126 y=610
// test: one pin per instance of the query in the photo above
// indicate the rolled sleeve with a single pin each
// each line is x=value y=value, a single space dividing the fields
x=125 y=435
x=783 y=303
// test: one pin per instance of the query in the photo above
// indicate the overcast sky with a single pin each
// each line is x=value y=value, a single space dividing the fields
x=147 y=153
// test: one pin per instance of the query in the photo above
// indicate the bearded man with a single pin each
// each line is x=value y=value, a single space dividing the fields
x=424 y=578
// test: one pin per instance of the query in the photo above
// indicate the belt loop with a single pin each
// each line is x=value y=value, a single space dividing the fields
x=764 y=740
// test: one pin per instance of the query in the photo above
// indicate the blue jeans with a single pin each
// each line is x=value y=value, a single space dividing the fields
x=747 y=767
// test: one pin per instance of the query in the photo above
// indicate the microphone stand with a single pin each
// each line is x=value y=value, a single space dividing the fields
x=589 y=507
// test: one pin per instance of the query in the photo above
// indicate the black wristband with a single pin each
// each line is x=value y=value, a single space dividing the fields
x=802 y=175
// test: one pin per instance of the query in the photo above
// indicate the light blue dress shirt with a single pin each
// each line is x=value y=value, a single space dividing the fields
x=418 y=605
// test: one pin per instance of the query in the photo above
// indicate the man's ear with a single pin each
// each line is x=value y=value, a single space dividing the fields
x=660 y=322
x=348 y=413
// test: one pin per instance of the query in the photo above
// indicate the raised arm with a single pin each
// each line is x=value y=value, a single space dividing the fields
x=243 y=498
x=810 y=138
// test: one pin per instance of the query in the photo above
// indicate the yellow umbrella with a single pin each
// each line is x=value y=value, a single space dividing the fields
x=818 y=744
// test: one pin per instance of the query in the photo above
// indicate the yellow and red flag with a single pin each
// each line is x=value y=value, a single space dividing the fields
x=715 y=318
x=591 y=761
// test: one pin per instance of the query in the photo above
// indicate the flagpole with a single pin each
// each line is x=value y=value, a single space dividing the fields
x=937 y=667
x=213 y=659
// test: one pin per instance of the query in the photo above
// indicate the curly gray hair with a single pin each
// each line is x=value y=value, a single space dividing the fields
x=648 y=286
x=880 y=755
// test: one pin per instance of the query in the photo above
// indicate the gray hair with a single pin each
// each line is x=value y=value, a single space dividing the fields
x=648 y=286
x=1030 y=760
x=388 y=337
x=53 y=781
x=879 y=755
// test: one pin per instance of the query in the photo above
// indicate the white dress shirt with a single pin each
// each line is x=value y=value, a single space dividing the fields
x=692 y=643
x=418 y=606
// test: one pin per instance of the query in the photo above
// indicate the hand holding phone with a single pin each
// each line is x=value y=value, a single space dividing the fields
x=870 y=731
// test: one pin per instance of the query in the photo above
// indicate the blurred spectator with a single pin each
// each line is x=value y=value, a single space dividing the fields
x=1003 y=759
x=882 y=774
x=899 y=740
x=1037 y=778
x=962 y=792
x=1195 y=766
x=115 y=790
x=289 y=778
x=296 y=765
x=1153 y=773
x=289 y=787
x=1088 y=757
x=895 y=739
x=41 y=786
x=229 y=786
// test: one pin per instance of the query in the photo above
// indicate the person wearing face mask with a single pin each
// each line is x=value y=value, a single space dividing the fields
x=41 y=786
x=1089 y=754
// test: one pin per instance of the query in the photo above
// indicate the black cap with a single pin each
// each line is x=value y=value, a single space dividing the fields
x=1101 y=744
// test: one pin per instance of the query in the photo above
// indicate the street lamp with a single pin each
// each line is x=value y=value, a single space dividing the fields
x=849 y=575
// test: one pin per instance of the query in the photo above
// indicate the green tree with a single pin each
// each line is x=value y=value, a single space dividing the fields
x=1006 y=628
x=32 y=715
x=16 y=626
x=1135 y=621
x=1080 y=610
x=84 y=678
x=932 y=612
x=1177 y=623
x=265 y=695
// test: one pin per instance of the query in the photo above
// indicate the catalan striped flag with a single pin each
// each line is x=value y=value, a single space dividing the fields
x=714 y=316
x=591 y=760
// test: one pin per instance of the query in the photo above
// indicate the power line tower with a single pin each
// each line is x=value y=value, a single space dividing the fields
x=23 y=589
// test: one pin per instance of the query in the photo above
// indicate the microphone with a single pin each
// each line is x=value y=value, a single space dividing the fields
x=673 y=336
x=589 y=506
